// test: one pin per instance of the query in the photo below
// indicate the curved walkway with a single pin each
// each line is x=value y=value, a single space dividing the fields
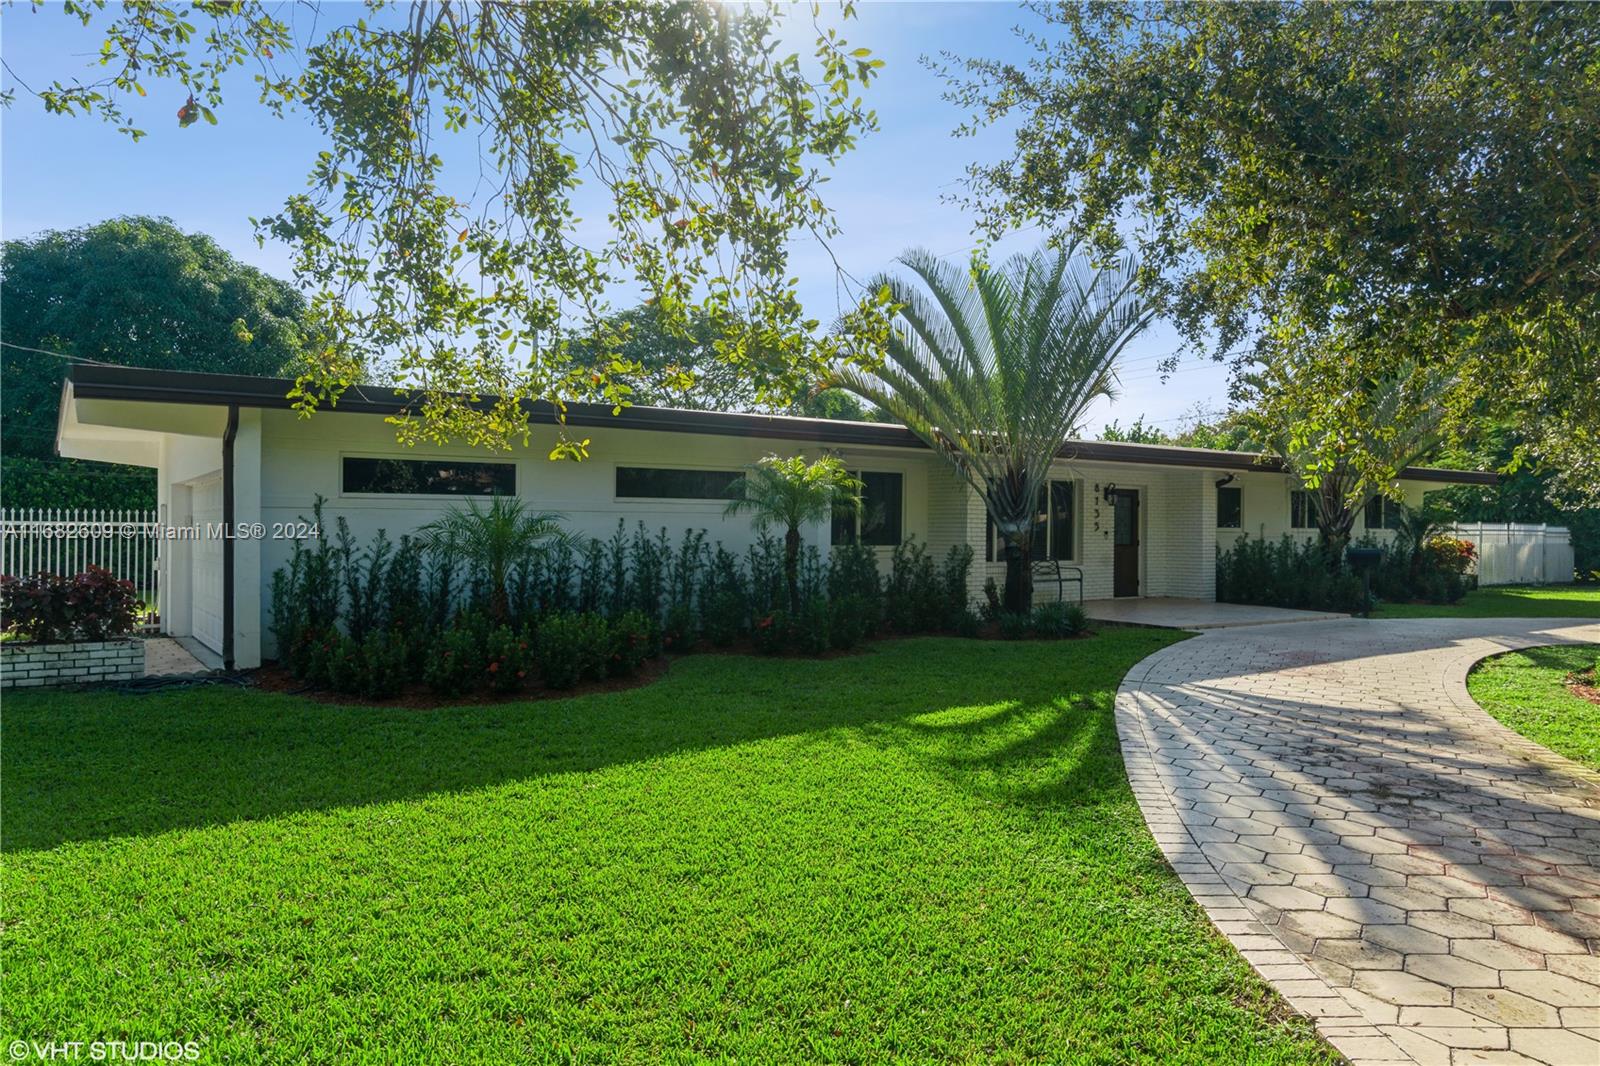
x=1419 y=879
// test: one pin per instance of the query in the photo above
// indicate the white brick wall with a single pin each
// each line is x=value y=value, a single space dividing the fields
x=90 y=661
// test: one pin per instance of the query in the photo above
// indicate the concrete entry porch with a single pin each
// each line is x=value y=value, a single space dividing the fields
x=1170 y=612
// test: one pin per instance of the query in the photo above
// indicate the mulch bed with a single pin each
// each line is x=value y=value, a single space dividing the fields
x=1584 y=685
x=275 y=678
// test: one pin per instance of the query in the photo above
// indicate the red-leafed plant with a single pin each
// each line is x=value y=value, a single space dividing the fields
x=52 y=608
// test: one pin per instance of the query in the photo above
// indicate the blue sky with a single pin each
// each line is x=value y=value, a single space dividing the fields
x=889 y=194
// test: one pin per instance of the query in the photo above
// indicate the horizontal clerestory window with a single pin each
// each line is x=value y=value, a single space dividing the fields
x=669 y=483
x=428 y=477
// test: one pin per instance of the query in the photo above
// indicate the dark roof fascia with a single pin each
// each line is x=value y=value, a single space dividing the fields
x=171 y=386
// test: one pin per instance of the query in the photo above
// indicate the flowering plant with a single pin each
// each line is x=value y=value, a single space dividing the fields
x=51 y=608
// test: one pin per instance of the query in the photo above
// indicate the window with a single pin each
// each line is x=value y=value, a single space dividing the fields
x=881 y=515
x=1230 y=507
x=1383 y=513
x=662 y=483
x=429 y=477
x=1053 y=535
x=1302 y=510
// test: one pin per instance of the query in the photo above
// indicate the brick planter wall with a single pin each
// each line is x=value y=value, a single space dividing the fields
x=40 y=665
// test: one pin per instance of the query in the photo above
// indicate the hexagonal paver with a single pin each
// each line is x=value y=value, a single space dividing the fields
x=1421 y=881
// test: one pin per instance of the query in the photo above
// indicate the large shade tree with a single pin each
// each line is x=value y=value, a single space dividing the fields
x=135 y=292
x=658 y=366
x=490 y=173
x=1422 y=177
x=994 y=367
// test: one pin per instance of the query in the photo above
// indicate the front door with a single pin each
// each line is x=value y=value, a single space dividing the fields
x=1125 y=542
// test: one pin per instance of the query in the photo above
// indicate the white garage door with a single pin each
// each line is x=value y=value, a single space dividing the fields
x=205 y=584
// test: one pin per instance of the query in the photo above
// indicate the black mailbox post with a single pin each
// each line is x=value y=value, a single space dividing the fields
x=1363 y=561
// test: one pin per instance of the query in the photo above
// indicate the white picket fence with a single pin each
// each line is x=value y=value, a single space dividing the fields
x=68 y=540
x=1510 y=553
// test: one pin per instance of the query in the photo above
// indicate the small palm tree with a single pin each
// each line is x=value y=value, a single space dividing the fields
x=1418 y=525
x=995 y=368
x=493 y=539
x=790 y=493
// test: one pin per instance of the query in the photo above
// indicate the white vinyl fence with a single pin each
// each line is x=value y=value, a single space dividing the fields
x=1513 y=554
x=68 y=540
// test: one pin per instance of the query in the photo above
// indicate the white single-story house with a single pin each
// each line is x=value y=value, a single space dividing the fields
x=1138 y=519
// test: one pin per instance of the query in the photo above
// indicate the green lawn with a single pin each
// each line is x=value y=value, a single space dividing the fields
x=1507 y=601
x=1523 y=690
x=926 y=852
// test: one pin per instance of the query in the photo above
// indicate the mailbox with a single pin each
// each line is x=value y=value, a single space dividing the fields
x=1363 y=559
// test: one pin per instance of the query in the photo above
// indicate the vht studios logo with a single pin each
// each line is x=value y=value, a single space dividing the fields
x=103 y=1051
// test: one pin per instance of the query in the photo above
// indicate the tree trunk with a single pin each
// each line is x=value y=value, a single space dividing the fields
x=1335 y=519
x=1019 y=578
x=791 y=567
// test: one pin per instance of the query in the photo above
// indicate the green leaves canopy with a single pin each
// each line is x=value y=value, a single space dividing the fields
x=441 y=229
x=1421 y=180
x=135 y=292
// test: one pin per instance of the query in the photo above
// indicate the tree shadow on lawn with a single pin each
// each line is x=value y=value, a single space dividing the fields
x=92 y=765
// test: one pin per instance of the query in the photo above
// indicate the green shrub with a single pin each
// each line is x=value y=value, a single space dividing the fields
x=915 y=598
x=967 y=623
x=849 y=621
x=594 y=646
x=990 y=608
x=1057 y=619
x=383 y=665
x=677 y=634
x=1285 y=573
x=724 y=617
x=771 y=632
x=345 y=667
x=953 y=577
x=456 y=664
x=559 y=643
x=631 y=640
x=507 y=660
x=853 y=575
x=1014 y=626
x=813 y=626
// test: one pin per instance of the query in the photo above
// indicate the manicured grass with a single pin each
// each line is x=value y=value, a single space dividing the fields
x=928 y=852
x=1524 y=691
x=1507 y=601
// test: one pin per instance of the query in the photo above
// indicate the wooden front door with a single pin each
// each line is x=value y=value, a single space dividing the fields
x=1125 y=542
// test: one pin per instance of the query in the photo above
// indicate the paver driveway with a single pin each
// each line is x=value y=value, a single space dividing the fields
x=1419 y=879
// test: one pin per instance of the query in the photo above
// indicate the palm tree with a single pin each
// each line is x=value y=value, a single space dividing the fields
x=493 y=539
x=994 y=368
x=790 y=493
x=1355 y=448
x=1419 y=525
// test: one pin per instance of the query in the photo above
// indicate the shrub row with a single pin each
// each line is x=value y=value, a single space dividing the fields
x=1297 y=573
x=475 y=654
x=370 y=619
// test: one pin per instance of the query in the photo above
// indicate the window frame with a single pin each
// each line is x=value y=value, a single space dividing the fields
x=720 y=501
x=1238 y=522
x=857 y=514
x=477 y=460
x=1074 y=529
x=1389 y=514
x=1310 y=509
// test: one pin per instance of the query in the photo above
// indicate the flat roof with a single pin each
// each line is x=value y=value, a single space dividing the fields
x=91 y=381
